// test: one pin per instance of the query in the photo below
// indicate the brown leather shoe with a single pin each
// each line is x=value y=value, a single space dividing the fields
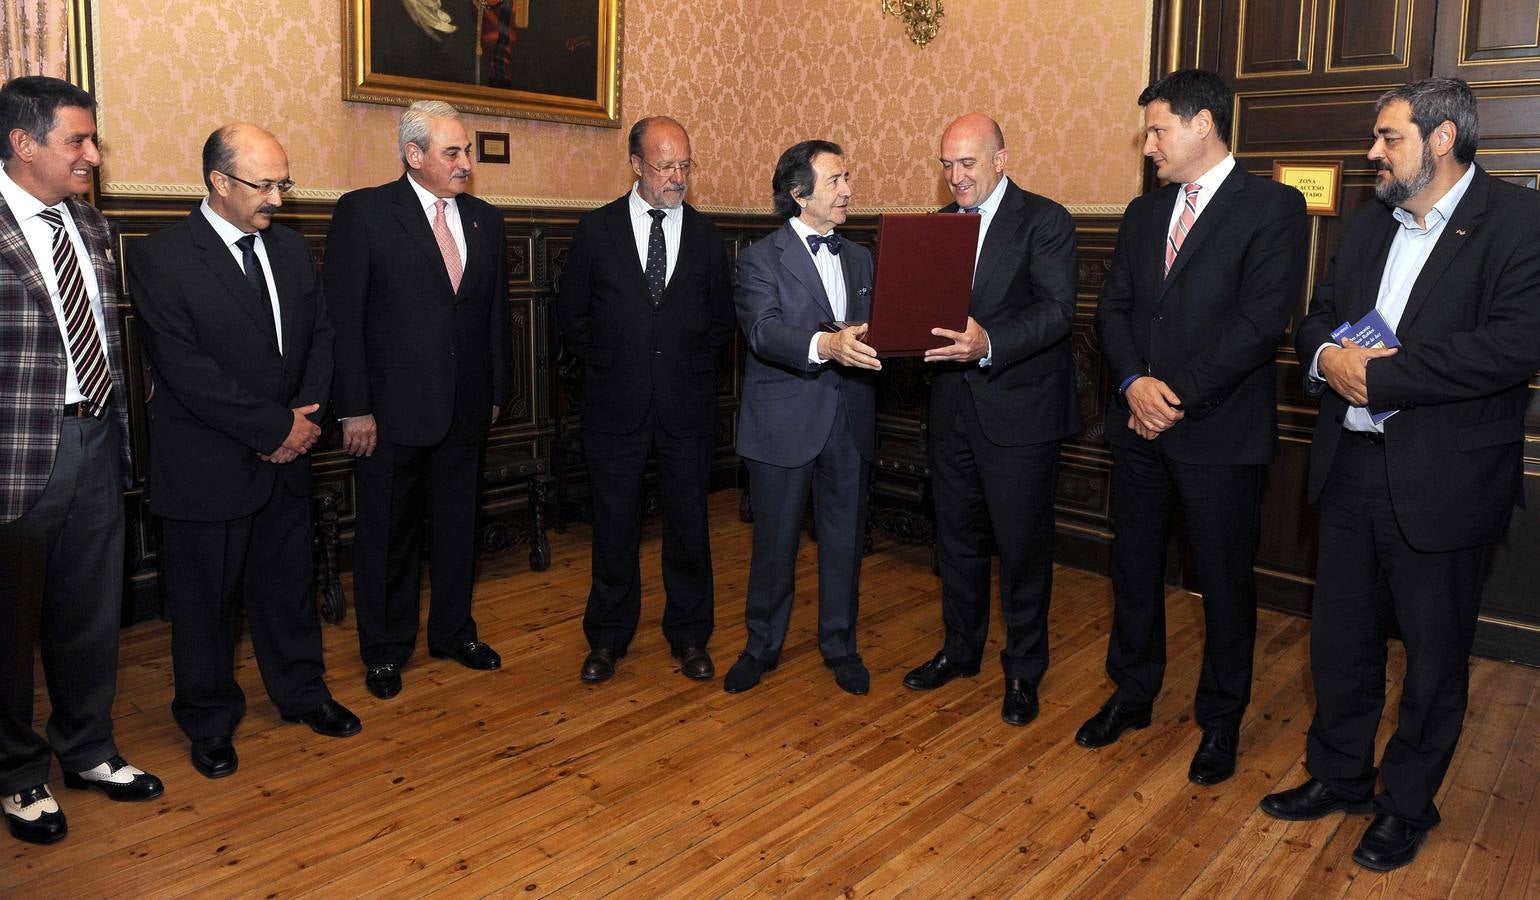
x=695 y=662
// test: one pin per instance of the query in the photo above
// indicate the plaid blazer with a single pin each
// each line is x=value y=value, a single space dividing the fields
x=33 y=361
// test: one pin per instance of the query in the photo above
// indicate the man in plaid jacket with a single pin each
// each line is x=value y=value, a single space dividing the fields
x=63 y=460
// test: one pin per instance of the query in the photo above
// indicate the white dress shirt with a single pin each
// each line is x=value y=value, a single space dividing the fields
x=1409 y=251
x=986 y=215
x=831 y=272
x=39 y=235
x=451 y=216
x=641 y=228
x=1209 y=183
x=230 y=234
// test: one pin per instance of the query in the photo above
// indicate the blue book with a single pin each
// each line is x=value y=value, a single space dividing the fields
x=1370 y=332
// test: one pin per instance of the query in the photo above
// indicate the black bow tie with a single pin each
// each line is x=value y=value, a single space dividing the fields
x=832 y=241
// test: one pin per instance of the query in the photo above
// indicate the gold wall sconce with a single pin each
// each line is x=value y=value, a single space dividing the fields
x=922 y=18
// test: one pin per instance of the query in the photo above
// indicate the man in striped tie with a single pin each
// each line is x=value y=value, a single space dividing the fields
x=63 y=460
x=1205 y=274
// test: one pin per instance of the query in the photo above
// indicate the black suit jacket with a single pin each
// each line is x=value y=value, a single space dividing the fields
x=1210 y=329
x=1024 y=299
x=790 y=404
x=636 y=357
x=221 y=393
x=418 y=355
x=1470 y=341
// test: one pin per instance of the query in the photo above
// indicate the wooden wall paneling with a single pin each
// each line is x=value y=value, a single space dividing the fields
x=1488 y=40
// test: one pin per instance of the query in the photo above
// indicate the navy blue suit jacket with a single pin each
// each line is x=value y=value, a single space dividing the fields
x=789 y=403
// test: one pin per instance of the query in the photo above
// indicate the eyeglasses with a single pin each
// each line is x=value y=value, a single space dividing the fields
x=682 y=168
x=266 y=187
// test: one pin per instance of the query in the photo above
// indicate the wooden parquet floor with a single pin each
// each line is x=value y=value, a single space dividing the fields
x=525 y=782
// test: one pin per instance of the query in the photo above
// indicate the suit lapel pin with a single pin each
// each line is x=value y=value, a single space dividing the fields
x=1460 y=232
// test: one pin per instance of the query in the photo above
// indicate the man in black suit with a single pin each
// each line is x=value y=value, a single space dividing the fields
x=646 y=304
x=416 y=281
x=241 y=356
x=1410 y=504
x=808 y=422
x=1002 y=398
x=64 y=460
x=1204 y=277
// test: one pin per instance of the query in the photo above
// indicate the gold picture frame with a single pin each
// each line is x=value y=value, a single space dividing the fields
x=1320 y=182
x=554 y=60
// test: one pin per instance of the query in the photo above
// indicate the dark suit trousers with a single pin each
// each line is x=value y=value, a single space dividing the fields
x=1221 y=506
x=1001 y=497
x=211 y=568
x=1434 y=598
x=837 y=479
x=387 y=548
x=615 y=466
x=61 y=588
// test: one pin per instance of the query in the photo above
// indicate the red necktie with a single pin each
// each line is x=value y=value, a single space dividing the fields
x=1183 y=223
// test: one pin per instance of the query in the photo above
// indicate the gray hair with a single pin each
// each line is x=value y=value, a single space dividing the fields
x=416 y=123
x=1435 y=101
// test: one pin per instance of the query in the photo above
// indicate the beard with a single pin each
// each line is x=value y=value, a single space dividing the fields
x=1396 y=191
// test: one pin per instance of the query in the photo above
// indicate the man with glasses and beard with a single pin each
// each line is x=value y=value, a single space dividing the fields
x=646 y=303
x=416 y=280
x=1410 y=504
x=241 y=357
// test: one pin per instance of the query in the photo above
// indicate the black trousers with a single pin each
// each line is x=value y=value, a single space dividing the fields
x=988 y=495
x=1366 y=573
x=1222 y=509
x=61 y=591
x=263 y=559
x=615 y=466
x=836 y=480
x=394 y=485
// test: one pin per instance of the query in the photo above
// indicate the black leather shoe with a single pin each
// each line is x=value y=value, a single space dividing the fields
x=695 y=662
x=1109 y=724
x=383 y=681
x=850 y=674
x=330 y=719
x=33 y=816
x=1388 y=843
x=599 y=665
x=745 y=673
x=1311 y=800
x=1215 y=759
x=939 y=671
x=472 y=655
x=118 y=780
x=1020 y=705
x=214 y=757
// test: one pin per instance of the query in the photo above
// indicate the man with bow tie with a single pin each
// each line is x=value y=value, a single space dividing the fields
x=807 y=424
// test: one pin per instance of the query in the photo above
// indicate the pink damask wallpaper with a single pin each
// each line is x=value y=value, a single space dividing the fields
x=746 y=77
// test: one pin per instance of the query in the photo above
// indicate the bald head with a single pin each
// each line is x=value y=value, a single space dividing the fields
x=246 y=171
x=972 y=158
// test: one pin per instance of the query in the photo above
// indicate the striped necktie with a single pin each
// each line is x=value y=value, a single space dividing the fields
x=1183 y=223
x=85 y=340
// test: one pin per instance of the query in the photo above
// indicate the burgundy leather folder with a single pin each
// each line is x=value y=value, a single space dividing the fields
x=924 y=280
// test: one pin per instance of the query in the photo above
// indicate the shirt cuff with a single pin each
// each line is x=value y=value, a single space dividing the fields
x=1315 y=371
x=1123 y=388
x=989 y=353
x=812 y=350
